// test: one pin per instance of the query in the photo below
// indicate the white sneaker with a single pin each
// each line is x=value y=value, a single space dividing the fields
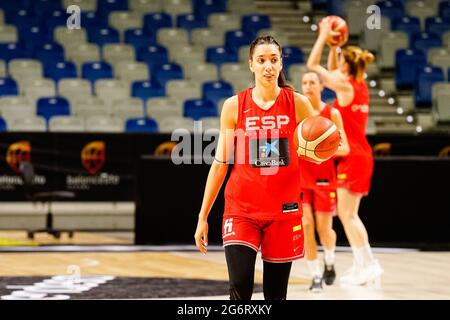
x=373 y=273
x=351 y=274
x=358 y=275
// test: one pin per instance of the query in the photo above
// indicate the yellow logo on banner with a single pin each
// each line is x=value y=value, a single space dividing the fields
x=93 y=156
x=297 y=228
x=18 y=152
x=333 y=195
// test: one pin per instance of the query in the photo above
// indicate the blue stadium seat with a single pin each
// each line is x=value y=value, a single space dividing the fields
x=234 y=39
x=406 y=62
x=104 y=7
x=219 y=55
x=33 y=36
x=391 y=9
x=444 y=9
x=48 y=52
x=10 y=51
x=153 y=55
x=42 y=7
x=437 y=25
x=166 y=72
x=57 y=70
x=147 y=125
x=253 y=23
x=146 y=89
x=328 y=94
x=139 y=38
x=214 y=91
x=410 y=25
x=96 y=70
x=8 y=87
x=52 y=106
x=425 y=79
x=54 y=19
x=292 y=55
x=11 y=6
x=21 y=18
x=155 y=21
x=93 y=20
x=199 y=108
x=203 y=8
x=319 y=4
x=190 y=21
x=3 y=126
x=104 y=35
x=425 y=41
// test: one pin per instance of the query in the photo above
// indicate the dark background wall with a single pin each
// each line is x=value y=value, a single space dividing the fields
x=56 y=156
x=408 y=204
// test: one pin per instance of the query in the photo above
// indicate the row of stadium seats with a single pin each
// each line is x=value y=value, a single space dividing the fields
x=43 y=60
x=101 y=32
x=109 y=124
x=110 y=96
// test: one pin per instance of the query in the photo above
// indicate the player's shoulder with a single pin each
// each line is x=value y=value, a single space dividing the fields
x=300 y=99
x=230 y=107
x=334 y=111
x=231 y=102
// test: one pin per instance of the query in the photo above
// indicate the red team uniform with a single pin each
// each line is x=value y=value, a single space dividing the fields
x=355 y=170
x=318 y=181
x=262 y=196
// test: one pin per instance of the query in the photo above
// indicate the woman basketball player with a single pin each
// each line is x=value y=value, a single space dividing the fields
x=319 y=192
x=262 y=196
x=345 y=76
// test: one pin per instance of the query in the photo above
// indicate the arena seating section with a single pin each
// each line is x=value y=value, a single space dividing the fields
x=157 y=65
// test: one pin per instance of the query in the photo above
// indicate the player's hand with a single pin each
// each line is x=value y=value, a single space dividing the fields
x=325 y=26
x=325 y=29
x=201 y=236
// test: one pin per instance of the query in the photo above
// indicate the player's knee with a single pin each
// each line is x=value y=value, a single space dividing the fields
x=308 y=223
x=241 y=290
x=275 y=296
x=349 y=216
x=344 y=215
x=325 y=233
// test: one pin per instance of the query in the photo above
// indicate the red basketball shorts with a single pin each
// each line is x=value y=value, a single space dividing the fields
x=321 y=201
x=280 y=240
x=354 y=172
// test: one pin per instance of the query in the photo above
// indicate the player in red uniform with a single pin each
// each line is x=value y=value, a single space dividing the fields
x=319 y=192
x=345 y=76
x=262 y=196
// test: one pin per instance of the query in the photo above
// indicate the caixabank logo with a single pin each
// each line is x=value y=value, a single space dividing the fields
x=93 y=156
x=16 y=153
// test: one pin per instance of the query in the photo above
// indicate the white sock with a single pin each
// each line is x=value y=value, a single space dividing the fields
x=367 y=254
x=358 y=256
x=314 y=268
x=329 y=256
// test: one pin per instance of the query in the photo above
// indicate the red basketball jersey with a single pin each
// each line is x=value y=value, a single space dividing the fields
x=318 y=175
x=264 y=181
x=355 y=117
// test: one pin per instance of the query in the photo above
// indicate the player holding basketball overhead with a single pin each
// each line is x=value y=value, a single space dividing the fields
x=345 y=76
x=262 y=196
x=318 y=183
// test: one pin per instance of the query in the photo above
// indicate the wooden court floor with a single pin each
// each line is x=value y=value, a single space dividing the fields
x=408 y=274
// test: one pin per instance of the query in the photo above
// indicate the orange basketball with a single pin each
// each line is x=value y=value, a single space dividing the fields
x=340 y=25
x=317 y=138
